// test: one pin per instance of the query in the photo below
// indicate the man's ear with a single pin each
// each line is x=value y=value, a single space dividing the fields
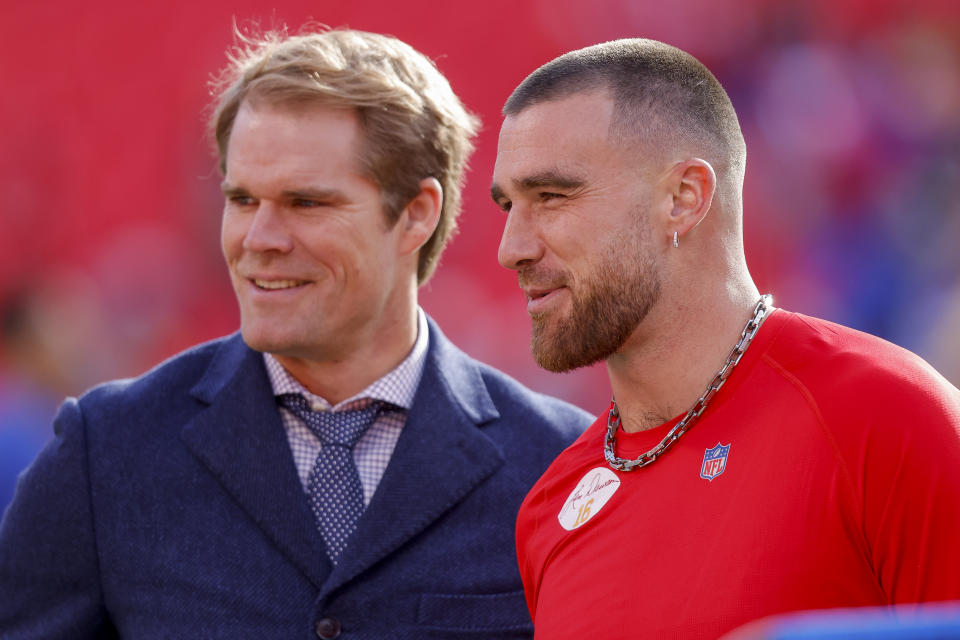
x=694 y=184
x=421 y=215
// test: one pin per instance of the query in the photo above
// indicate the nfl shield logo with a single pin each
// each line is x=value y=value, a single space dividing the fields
x=714 y=461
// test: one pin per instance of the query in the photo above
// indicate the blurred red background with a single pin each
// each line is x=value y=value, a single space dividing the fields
x=109 y=199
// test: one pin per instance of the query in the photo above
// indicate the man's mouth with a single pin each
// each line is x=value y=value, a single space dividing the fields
x=541 y=287
x=273 y=285
x=539 y=300
x=536 y=294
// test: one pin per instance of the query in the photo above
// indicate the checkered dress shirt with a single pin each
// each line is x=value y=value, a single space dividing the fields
x=373 y=451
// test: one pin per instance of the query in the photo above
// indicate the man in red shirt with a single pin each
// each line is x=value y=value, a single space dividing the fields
x=826 y=470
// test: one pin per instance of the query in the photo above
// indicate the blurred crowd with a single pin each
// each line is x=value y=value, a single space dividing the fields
x=851 y=111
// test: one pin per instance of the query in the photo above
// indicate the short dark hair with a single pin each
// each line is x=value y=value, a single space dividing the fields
x=659 y=91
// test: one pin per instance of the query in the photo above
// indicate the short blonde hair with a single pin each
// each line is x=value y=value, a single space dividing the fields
x=414 y=126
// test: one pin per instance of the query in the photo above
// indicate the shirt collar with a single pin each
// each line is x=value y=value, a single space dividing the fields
x=397 y=387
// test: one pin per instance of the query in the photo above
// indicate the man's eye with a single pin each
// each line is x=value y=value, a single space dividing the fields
x=305 y=203
x=504 y=205
x=240 y=201
x=549 y=195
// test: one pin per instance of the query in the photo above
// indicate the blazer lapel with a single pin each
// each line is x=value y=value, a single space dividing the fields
x=440 y=457
x=240 y=439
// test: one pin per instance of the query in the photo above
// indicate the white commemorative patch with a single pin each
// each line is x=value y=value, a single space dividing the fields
x=591 y=493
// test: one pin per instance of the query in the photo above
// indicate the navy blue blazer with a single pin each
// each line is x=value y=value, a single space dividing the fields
x=169 y=506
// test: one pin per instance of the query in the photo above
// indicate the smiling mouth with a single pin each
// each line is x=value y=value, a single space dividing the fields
x=541 y=293
x=539 y=301
x=273 y=285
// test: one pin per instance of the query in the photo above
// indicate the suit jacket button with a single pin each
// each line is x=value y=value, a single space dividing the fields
x=327 y=628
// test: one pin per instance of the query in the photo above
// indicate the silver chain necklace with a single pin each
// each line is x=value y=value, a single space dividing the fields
x=760 y=312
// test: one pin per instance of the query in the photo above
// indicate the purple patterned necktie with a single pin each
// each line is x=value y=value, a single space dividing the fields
x=334 y=489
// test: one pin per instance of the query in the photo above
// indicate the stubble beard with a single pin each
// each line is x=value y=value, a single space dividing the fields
x=606 y=307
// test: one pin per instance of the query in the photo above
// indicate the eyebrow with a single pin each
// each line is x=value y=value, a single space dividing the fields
x=230 y=190
x=324 y=195
x=548 y=178
x=551 y=178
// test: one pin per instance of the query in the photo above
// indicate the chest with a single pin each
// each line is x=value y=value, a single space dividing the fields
x=733 y=523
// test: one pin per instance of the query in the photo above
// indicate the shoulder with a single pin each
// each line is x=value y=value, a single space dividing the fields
x=853 y=377
x=815 y=349
x=514 y=399
x=171 y=378
x=478 y=386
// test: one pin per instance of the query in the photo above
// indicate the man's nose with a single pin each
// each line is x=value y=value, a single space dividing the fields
x=520 y=243
x=268 y=230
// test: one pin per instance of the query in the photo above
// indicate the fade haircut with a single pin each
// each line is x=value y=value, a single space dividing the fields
x=661 y=94
x=413 y=125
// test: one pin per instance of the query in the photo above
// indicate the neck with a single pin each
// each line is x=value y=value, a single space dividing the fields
x=669 y=360
x=341 y=375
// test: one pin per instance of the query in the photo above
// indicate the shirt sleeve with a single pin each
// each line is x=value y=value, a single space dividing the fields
x=909 y=475
x=49 y=573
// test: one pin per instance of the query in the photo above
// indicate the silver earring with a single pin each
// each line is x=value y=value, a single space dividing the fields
x=676 y=240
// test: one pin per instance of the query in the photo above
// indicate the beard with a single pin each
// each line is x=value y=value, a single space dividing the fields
x=606 y=307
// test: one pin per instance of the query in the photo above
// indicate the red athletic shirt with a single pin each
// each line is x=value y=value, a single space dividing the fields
x=825 y=473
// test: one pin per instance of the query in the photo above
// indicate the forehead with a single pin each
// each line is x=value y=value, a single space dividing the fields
x=571 y=133
x=293 y=138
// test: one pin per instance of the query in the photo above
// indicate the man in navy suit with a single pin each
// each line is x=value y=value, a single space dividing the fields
x=189 y=502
